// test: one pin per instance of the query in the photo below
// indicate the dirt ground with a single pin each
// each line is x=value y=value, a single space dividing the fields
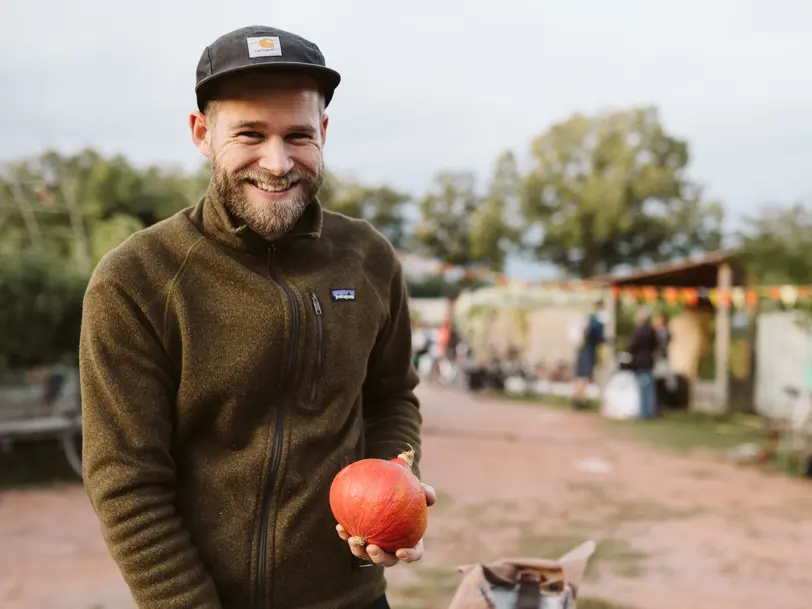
x=673 y=531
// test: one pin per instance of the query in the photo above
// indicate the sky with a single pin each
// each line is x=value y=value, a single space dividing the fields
x=429 y=85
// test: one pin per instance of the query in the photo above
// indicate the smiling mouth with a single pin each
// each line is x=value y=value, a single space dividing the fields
x=272 y=187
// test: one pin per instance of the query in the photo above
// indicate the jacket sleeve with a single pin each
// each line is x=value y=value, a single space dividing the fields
x=391 y=408
x=128 y=392
x=633 y=346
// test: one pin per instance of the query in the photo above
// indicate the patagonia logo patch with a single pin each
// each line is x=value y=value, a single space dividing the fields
x=342 y=294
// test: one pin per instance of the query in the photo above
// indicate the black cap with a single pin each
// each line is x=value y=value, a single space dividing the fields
x=258 y=47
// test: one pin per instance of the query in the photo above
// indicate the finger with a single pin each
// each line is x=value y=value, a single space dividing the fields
x=412 y=555
x=379 y=557
x=358 y=550
x=431 y=495
x=342 y=533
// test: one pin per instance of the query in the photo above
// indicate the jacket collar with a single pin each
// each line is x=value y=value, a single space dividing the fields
x=222 y=226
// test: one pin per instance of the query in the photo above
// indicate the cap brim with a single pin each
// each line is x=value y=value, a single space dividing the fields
x=327 y=78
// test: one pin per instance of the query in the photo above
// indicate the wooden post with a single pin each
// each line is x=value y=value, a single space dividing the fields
x=610 y=306
x=724 y=284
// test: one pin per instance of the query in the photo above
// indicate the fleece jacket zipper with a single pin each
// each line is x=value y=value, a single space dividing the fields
x=278 y=436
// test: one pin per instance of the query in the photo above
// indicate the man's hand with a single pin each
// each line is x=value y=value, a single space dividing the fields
x=377 y=556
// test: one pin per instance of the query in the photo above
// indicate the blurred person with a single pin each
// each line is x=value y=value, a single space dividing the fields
x=420 y=343
x=591 y=338
x=665 y=381
x=659 y=322
x=443 y=339
x=642 y=348
x=237 y=355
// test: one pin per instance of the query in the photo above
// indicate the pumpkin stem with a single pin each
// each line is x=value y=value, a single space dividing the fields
x=359 y=541
x=408 y=456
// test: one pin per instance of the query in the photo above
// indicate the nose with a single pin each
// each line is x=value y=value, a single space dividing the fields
x=275 y=158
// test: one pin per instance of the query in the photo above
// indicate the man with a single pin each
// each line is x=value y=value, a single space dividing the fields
x=237 y=355
x=591 y=338
x=642 y=347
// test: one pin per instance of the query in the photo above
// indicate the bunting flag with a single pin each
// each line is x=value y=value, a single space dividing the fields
x=737 y=297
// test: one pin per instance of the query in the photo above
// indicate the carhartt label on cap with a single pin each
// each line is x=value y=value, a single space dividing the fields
x=264 y=46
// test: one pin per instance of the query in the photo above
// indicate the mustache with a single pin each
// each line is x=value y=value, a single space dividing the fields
x=283 y=182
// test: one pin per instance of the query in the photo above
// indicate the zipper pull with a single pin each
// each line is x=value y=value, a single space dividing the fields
x=316 y=304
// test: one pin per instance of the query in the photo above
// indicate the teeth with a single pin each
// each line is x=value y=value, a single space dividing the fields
x=270 y=187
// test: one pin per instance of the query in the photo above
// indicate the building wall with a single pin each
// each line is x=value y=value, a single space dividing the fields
x=430 y=311
x=782 y=359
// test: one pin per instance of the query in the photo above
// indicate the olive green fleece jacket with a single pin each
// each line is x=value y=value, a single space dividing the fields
x=225 y=381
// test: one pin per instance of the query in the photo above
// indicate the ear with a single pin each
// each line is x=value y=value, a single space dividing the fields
x=201 y=132
x=324 y=121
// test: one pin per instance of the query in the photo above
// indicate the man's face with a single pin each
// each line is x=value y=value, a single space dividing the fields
x=265 y=138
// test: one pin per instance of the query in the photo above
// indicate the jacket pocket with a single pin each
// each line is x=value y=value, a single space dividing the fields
x=317 y=372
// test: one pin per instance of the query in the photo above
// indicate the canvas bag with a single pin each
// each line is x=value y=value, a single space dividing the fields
x=524 y=583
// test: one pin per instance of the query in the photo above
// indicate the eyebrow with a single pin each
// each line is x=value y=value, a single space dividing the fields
x=250 y=125
x=261 y=125
x=302 y=129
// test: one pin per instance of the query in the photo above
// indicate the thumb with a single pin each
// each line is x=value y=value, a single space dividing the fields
x=431 y=495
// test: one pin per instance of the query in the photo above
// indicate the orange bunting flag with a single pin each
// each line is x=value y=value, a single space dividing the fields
x=650 y=294
x=690 y=296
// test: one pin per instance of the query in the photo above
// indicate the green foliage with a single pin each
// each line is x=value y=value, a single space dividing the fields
x=463 y=228
x=439 y=287
x=496 y=226
x=80 y=206
x=382 y=206
x=612 y=190
x=59 y=214
x=41 y=299
x=446 y=214
x=776 y=245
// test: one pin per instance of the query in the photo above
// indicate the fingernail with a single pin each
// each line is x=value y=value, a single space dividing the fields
x=402 y=554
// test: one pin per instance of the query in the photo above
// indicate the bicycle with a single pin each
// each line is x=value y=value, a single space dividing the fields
x=51 y=410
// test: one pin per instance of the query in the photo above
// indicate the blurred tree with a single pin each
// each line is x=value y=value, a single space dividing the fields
x=776 y=245
x=41 y=300
x=81 y=205
x=611 y=190
x=59 y=214
x=462 y=228
x=496 y=227
x=438 y=287
x=382 y=206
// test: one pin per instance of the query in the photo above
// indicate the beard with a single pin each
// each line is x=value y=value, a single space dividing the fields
x=268 y=219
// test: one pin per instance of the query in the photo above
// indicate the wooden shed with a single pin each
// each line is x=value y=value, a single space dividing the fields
x=720 y=270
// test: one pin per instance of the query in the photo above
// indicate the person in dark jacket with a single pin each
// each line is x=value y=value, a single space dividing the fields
x=643 y=347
